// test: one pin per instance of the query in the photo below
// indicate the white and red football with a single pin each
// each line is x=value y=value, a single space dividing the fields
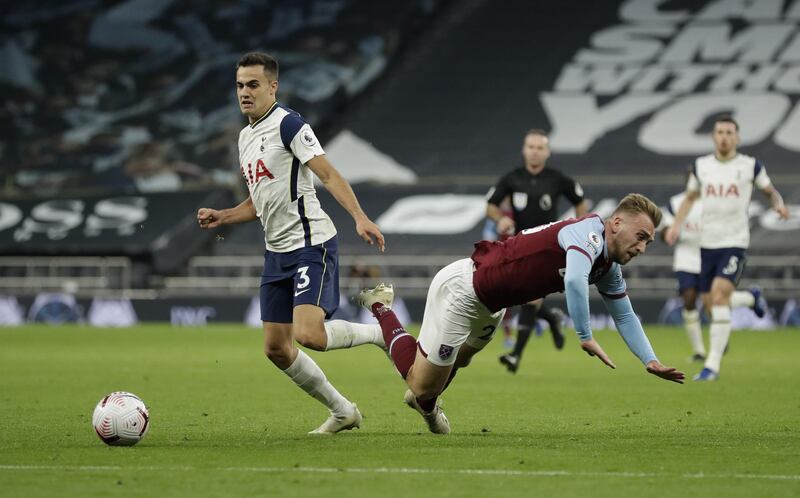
x=121 y=419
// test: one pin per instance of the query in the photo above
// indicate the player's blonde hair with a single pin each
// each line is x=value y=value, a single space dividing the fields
x=637 y=203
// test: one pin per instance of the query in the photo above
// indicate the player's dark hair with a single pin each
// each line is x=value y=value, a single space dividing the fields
x=537 y=131
x=727 y=118
x=260 y=59
x=637 y=203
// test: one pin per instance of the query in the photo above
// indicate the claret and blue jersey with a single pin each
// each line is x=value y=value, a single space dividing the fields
x=532 y=264
x=566 y=256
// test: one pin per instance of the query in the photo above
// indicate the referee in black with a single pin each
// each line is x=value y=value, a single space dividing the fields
x=533 y=191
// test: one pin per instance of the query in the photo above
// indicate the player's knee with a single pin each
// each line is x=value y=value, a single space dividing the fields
x=689 y=299
x=311 y=337
x=423 y=390
x=720 y=299
x=279 y=354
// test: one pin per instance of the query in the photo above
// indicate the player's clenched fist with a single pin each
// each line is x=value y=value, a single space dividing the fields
x=208 y=218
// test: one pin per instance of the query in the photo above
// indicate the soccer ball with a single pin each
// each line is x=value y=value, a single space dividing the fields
x=121 y=419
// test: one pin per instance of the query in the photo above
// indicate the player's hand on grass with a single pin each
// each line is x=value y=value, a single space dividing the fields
x=592 y=348
x=366 y=229
x=208 y=218
x=672 y=234
x=666 y=373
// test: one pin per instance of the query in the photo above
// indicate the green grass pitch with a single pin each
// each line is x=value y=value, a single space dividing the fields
x=225 y=422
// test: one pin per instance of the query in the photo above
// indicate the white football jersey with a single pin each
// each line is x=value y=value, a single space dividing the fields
x=273 y=152
x=687 y=249
x=726 y=189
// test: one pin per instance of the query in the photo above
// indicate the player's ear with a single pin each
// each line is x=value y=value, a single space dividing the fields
x=616 y=223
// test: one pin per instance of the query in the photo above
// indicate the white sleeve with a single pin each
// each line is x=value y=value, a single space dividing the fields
x=760 y=177
x=305 y=145
x=693 y=184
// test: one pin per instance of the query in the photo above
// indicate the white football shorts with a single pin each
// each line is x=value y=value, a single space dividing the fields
x=454 y=315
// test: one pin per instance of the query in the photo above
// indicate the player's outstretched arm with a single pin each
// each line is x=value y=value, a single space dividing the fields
x=630 y=328
x=338 y=187
x=576 y=287
x=674 y=231
x=212 y=218
x=776 y=201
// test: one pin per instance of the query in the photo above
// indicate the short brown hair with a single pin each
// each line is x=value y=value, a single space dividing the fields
x=537 y=131
x=260 y=59
x=637 y=203
x=727 y=118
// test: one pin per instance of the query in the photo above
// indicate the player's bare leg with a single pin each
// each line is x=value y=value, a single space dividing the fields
x=311 y=330
x=691 y=322
x=429 y=379
x=308 y=326
x=720 y=331
x=306 y=374
x=427 y=382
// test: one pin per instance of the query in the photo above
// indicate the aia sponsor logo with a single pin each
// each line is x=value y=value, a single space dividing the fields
x=721 y=190
x=254 y=175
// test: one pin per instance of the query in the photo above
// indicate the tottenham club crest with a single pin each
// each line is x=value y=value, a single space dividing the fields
x=308 y=138
x=445 y=351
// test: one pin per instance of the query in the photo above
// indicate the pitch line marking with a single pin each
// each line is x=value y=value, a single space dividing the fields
x=404 y=470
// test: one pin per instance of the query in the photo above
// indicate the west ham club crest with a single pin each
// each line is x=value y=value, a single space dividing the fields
x=445 y=351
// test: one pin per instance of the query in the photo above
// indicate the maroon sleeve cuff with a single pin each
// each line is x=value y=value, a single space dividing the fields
x=614 y=296
x=580 y=249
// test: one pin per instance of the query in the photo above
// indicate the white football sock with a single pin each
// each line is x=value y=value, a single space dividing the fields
x=309 y=377
x=691 y=322
x=742 y=299
x=719 y=334
x=342 y=334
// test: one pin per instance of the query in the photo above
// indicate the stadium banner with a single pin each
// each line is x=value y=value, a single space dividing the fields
x=444 y=220
x=159 y=227
x=631 y=88
x=61 y=308
x=645 y=88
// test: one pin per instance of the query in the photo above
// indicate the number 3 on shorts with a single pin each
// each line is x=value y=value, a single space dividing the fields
x=303 y=281
x=732 y=266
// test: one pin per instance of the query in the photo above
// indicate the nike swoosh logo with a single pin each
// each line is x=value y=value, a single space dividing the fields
x=300 y=292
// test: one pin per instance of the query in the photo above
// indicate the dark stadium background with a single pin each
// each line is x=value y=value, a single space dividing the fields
x=119 y=120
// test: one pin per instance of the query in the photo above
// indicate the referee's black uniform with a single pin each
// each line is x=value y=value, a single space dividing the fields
x=534 y=201
x=534 y=198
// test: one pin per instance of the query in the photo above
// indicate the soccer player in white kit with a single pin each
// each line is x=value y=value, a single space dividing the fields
x=686 y=265
x=278 y=152
x=724 y=180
